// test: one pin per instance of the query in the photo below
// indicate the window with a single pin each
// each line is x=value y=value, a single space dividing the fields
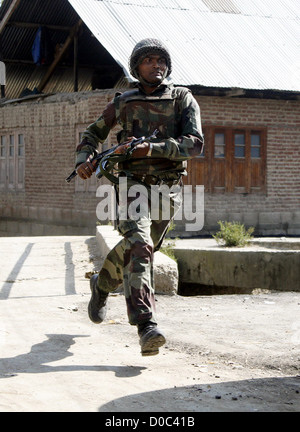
x=3 y=162
x=255 y=145
x=234 y=161
x=12 y=161
x=219 y=145
x=239 y=145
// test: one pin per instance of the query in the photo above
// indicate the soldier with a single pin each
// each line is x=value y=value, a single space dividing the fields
x=154 y=104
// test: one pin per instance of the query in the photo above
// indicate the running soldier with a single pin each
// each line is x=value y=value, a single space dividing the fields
x=155 y=103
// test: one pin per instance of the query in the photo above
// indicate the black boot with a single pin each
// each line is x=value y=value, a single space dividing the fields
x=150 y=338
x=98 y=304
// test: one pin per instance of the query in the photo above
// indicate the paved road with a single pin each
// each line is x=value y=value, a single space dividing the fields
x=223 y=353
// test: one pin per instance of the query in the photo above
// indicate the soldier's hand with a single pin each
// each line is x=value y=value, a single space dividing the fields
x=85 y=170
x=121 y=149
x=141 y=150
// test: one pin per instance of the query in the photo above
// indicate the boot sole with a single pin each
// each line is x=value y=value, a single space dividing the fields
x=151 y=346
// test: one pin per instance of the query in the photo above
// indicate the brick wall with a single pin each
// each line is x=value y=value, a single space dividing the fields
x=49 y=205
x=278 y=210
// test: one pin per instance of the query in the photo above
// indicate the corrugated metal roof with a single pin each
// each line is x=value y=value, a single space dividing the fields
x=18 y=40
x=24 y=78
x=97 y=68
x=249 y=44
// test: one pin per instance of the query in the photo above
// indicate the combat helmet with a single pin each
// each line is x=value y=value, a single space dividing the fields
x=141 y=50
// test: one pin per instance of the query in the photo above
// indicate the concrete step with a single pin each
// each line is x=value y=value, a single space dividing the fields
x=165 y=268
x=266 y=263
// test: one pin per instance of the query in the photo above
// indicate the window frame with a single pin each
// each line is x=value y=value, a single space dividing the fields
x=230 y=174
x=12 y=163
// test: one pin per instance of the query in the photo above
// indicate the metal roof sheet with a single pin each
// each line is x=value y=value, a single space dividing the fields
x=17 y=41
x=249 y=44
x=23 y=78
x=96 y=66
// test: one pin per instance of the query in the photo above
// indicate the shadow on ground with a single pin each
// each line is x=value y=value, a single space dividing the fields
x=257 y=395
x=55 y=348
x=270 y=394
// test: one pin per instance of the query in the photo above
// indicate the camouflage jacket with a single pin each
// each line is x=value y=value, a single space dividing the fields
x=172 y=110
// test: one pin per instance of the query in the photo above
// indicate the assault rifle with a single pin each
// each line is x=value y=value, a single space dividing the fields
x=101 y=161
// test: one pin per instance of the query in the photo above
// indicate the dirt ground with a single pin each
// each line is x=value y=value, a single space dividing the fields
x=224 y=353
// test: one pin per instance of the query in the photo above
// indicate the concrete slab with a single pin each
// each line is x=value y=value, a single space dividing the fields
x=269 y=264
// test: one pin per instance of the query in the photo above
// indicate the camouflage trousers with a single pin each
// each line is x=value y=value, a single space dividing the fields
x=131 y=261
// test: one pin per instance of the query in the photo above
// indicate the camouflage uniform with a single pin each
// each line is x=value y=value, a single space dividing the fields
x=175 y=113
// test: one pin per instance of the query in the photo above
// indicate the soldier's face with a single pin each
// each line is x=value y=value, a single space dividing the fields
x=152 y=68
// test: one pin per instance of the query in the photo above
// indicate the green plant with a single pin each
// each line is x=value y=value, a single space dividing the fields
x=168 y=249
x=168 y=244
x=233 y=234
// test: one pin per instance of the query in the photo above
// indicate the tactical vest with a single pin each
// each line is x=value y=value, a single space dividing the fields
x=140 y=114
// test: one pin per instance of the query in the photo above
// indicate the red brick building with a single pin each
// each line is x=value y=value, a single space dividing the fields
x=250 y=109
x=256 y=183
